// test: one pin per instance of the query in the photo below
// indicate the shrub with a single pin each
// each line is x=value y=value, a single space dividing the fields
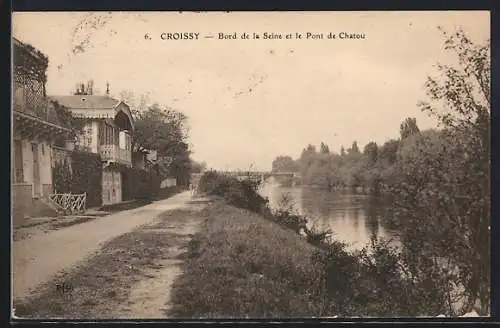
x=139 y=184
x=85 y=176
x=243 y=194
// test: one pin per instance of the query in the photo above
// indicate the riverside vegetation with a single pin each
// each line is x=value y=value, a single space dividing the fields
x=263 y=262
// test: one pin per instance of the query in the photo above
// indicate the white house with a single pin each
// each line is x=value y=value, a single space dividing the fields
x=107 y=131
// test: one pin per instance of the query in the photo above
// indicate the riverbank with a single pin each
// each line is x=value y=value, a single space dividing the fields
x=242 y=265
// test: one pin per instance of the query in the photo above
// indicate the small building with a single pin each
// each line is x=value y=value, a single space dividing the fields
x=36 y=126
x=107 y=131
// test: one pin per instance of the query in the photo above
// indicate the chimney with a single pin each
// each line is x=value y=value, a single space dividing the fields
x=107 y=88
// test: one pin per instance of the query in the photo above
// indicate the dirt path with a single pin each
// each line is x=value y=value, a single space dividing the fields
x=37 y=259
x=150 y=297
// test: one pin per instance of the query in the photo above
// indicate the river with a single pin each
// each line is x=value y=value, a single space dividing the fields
x=352 y=217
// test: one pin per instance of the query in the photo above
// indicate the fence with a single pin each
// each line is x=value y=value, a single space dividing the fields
x=69 y=204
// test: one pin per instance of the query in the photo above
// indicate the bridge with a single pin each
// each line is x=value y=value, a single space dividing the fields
x=263 y=175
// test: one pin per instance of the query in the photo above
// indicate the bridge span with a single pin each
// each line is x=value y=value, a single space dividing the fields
x=261 y=174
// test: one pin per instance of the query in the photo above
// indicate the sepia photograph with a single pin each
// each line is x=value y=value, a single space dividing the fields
x=250 y=165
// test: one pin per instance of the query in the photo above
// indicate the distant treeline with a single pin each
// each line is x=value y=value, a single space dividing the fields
x=371 y=168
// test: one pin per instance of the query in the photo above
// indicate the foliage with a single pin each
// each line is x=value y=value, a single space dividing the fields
x=66 y=119
x=376 y=281
x=284 y=164
x=161 y=129
x=438 y=182
x=242 y=194
x=164 y=130
x=85 y=176
x=408 y=127
x=139 y=184
x=198 y=167
x=447 y=192
x=61 y=177
x=30 y=62
x=324 y=148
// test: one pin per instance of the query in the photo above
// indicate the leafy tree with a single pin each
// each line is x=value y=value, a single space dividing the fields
x=284 y=164
x=164 y=130
x=408 y=127
x=354 y=148
x=445 y=198
x=388 y=152
x=324 y=148
x=371 y=152
x=198 y=167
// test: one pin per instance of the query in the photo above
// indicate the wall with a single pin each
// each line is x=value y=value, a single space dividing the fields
x=22 y=202
x=168 y=183
x=44 y=160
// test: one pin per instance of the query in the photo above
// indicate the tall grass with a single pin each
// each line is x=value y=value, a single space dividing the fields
x=379 y=280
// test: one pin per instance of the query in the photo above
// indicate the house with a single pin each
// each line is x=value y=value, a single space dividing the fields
x=107 y=131
x=36 y=126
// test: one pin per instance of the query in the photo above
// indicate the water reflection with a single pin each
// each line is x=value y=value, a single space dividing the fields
x=352 y=217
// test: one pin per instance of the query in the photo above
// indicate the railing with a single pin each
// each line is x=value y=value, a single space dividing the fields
x=115 y=154
x=69 y=204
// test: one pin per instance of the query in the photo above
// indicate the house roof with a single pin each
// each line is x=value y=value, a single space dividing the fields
x=87 y=101
x=94 y=106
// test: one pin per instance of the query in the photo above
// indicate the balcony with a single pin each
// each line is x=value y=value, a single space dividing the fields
x=116 y=154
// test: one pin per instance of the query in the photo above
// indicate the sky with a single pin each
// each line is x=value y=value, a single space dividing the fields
x=250 y=100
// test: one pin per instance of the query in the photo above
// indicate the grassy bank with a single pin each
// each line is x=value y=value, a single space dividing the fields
x=241 y=265
x=253 y=261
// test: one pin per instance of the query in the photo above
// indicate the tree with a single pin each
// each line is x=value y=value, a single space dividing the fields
x=198 y=167
x=446 y=195
x=162 y=129
x=284 y=164
x=371 y=152
x=388 y=152
x=354 y=148
x=324 y=148
x=342 y=151
x=408 y=127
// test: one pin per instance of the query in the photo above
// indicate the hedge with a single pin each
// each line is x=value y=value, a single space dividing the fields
x=85 y=176
x=139 y=184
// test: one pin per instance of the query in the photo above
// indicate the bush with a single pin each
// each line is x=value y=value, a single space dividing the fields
x=61 y=177
x=139 y=184
x=243 y=194
x=85 y=176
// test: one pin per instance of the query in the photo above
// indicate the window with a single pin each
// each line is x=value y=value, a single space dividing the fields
x=43 y=149
x=18 y=162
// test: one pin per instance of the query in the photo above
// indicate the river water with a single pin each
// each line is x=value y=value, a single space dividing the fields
x=352 y=217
